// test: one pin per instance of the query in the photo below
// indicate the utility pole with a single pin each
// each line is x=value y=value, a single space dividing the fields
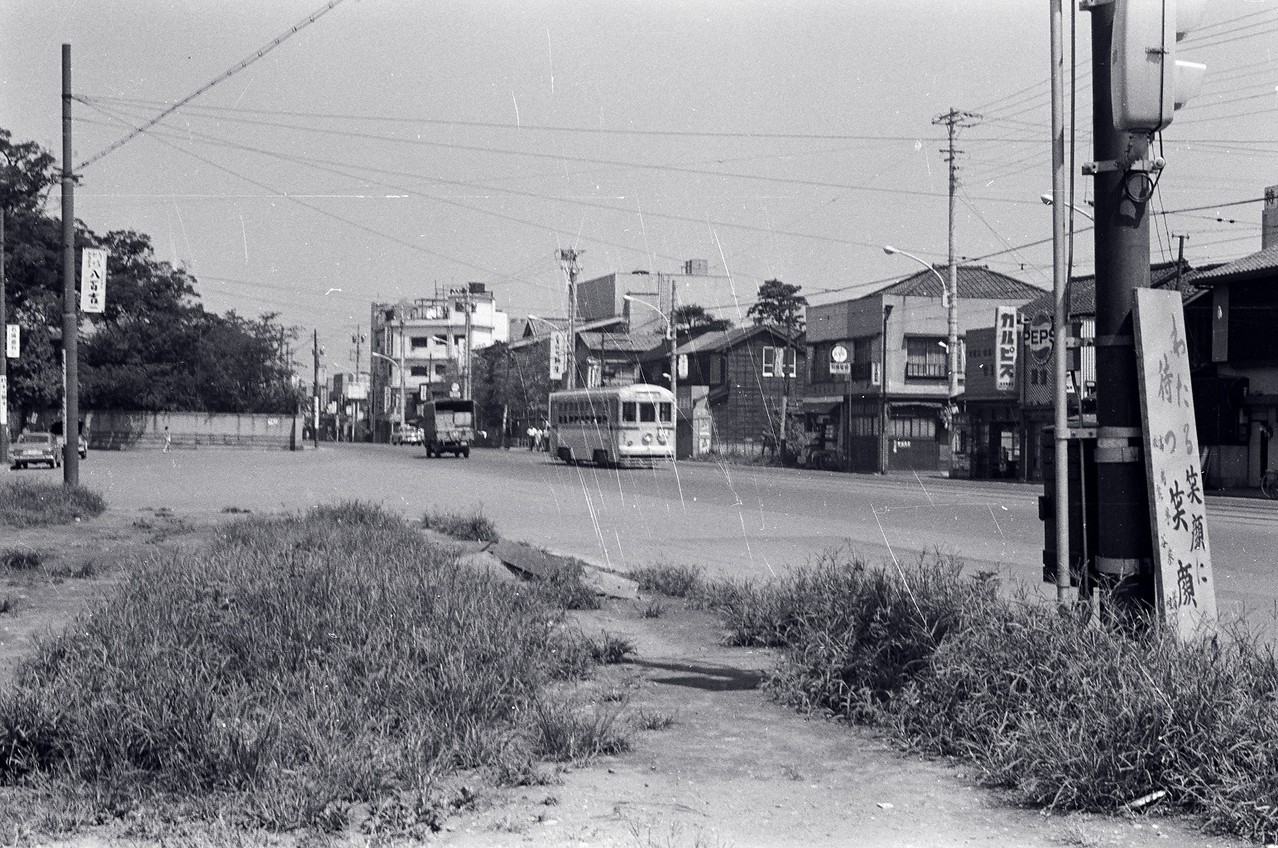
x=1180 y=257
x=70 y=328
x=1124 y=185
x=1060 y=282
x=568 y=257
x=953 y=120
x=469 y=361
x=4 y=359
x=315 y=392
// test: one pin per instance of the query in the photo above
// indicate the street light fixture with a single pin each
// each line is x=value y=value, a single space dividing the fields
x=403 y=400
x=951 y=292
x=1047 y=201
x=670 y=334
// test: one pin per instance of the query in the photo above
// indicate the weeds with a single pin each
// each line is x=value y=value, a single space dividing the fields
x=611 y=650
x=1062 y=714
x=17 y=560
x=677 y=581
x=33 y=503
x=475 y=527
x=297 y=668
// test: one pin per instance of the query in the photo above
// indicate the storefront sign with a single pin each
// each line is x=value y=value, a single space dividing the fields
x=1005 y=343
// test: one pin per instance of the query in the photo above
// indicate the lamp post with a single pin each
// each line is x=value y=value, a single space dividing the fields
x=399 y=365
x=883 y=385
x=951 y=294
x=670 y=334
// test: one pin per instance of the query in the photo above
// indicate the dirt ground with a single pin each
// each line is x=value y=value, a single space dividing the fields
x=731 y=769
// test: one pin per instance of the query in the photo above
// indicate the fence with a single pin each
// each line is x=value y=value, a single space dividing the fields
x=119 y=430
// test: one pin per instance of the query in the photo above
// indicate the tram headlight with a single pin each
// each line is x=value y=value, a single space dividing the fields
x=661 y=438
x=647 y=438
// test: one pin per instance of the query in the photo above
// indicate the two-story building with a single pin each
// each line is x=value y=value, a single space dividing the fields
x=422 y=348
x=737 y=389
x=878 y=389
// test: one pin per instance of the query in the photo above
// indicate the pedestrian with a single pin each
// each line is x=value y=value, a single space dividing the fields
x=168 y=440
x=532 y=438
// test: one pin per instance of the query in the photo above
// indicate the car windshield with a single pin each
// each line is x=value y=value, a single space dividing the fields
x=34 y=439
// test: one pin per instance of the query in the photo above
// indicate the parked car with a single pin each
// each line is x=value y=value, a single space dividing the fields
x=32 y=448
x=408 y=435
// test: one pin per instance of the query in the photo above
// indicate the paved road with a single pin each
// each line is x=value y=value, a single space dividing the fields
x=733 y=520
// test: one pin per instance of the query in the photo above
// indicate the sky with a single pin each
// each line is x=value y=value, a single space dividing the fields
x=390 y=148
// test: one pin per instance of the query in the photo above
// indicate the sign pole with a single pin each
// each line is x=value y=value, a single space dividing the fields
x=4 y=359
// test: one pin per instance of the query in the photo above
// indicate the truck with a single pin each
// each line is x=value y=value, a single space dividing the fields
x=448 y=426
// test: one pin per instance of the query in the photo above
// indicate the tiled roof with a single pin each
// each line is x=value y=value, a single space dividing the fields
x=1264 y=261
x=724 y=339
x=974 y=281
x=1080 y=292
x=621 y=342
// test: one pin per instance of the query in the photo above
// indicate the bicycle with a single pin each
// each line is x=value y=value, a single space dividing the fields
x=1269 y=484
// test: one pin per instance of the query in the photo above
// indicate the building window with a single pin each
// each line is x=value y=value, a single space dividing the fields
x=418 y=342
x=419 y=371
x=780 y=361
x=925 y=358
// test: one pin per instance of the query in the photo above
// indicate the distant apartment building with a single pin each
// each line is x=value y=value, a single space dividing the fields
x=421 y=348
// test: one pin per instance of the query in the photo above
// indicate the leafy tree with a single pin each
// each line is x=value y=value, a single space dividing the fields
x=692 y=319
x=154 y=348
x=779 y=305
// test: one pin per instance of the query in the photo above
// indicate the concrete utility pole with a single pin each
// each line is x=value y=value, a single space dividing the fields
x=4 y=359
x=469 y=330
x=1123 y=188
x=883 y=390
x=70 y=328
x=568 y=256
x=953 y=120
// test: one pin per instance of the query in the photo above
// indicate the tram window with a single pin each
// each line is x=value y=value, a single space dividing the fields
x=628 y=411
x=665 y=413
x=647 y=412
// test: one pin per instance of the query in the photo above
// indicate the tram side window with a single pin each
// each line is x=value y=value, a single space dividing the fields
x=628 y=411
x=647 y=413
x=665 y=413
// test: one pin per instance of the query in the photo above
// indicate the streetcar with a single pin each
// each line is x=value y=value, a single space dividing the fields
x=613 y=425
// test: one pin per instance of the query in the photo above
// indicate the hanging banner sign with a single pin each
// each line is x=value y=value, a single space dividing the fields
x=93 y=273
x=12 y=340
x=1183 y=581
x=558 y=354
x=4 y=400
x=1005 y=342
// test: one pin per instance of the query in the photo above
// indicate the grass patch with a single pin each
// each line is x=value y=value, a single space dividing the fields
x=473 y=527
x=295 y=670
x=677 y=581
x=18 y=560
x=33 y=503
x=1062 y=714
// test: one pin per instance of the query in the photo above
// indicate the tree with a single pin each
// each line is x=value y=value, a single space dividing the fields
x=779 y=305
x=692 y=319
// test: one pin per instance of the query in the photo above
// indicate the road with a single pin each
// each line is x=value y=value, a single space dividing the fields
x=734 y=520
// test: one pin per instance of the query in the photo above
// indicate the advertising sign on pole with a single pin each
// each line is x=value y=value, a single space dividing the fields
x=558 y=354
x=12 y=340
x=1183 y=580
x=93 y=274
x=1005 y=348
x=4 y=399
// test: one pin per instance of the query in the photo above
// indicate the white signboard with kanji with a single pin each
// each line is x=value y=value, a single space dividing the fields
x=558 y=354
x=93 y=275
x=12 y=340
x=1185 y=589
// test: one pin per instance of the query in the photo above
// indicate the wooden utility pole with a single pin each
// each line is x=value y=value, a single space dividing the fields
x=315 y=391
x=70 y=329
x=1060 y=282
x=953 y=121
x=4 y=359
x=568 y=256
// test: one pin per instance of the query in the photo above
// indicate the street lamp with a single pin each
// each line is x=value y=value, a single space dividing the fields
x=670 y=334
x=951 y=292
x=403 y=400
x=1047 y=201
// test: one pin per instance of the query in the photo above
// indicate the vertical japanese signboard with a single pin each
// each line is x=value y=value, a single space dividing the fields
x=12 y=340
x=1005 y=340
x=1185 y=589
x=558 y=354
x=93 y=272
